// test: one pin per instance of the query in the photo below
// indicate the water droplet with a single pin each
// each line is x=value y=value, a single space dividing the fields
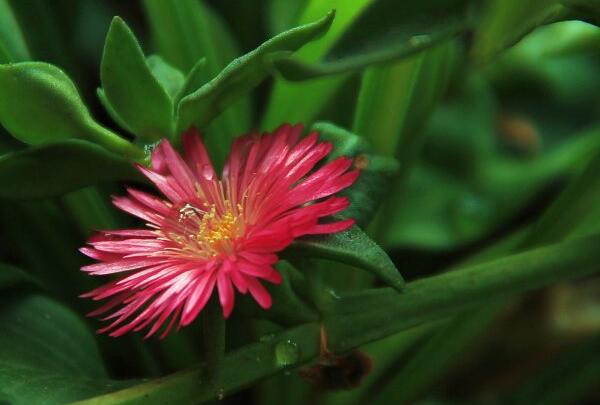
x=267 y=337
x=220 y=394
x=334 y=294
x=287 y=353
x=208 y=172
x=419 y=40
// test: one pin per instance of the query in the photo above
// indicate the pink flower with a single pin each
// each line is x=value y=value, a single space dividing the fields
x=211 y=233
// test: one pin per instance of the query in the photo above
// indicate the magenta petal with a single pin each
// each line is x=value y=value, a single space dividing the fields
x=226 y=294
x=259 y=293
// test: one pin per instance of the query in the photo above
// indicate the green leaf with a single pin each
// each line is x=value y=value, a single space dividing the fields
x=415 y=86
x=567 y=379
x=491 y=35
x=367 y=193
x=363 y=317
x=56 y=168
x=241 y=368
x=574 y=210
x=283 y=14
x=184 y=32
x=11 y=276
x=48 y=355
x=384 y=32
x=352 y=247
x=243 y=74
x=111 y=111
x=170 y=78
x=443 y=349
x=66 y=32
x=12 y=44
x=195 y=79
x=288 y=307
x=33 y=226
x=130 y=87
x=385 y=354
x=4 y=56
x=39 y=104
x=302 y=102
x=90 y=210
x=381 y=312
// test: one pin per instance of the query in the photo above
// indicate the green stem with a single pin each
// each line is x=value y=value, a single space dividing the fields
x=213 y=330
x=114 y=142
x=370 y=315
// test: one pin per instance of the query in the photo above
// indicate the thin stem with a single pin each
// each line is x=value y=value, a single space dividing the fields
x=115 y=143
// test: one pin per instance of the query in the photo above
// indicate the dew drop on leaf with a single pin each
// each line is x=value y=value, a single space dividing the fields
x=287 y=353
x=220 y=394
x=419 y=40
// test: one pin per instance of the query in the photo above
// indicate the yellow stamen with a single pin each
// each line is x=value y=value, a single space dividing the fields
x=209 y=232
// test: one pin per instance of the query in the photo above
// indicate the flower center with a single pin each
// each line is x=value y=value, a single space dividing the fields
x=210 y=231
x=215 y=229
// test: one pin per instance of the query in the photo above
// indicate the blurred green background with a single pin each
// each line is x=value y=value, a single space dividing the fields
x=491 y=109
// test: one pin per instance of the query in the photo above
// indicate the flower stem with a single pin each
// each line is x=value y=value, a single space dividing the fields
x=114 y=142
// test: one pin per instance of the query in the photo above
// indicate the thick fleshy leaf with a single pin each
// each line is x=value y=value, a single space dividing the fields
x=196 y=77
x=415 y=86
x=170 y=78
x=575 y=212
x=385 y=31
x=302 y=102
x=184 y=32
x=243 y=74
x=111 y=111
x=365 y=316
x=39 y=103
x=376 y=172
x=4 y=56
x=11 y=276
x=444 y=348
x=491 y=35
x=282 y=15
x=434 y=297
x=56 y=168
x=48 y=354
x=241 y=368
x=132 y=90
x=352 y=247
x=12 y=44
x=288 y=306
